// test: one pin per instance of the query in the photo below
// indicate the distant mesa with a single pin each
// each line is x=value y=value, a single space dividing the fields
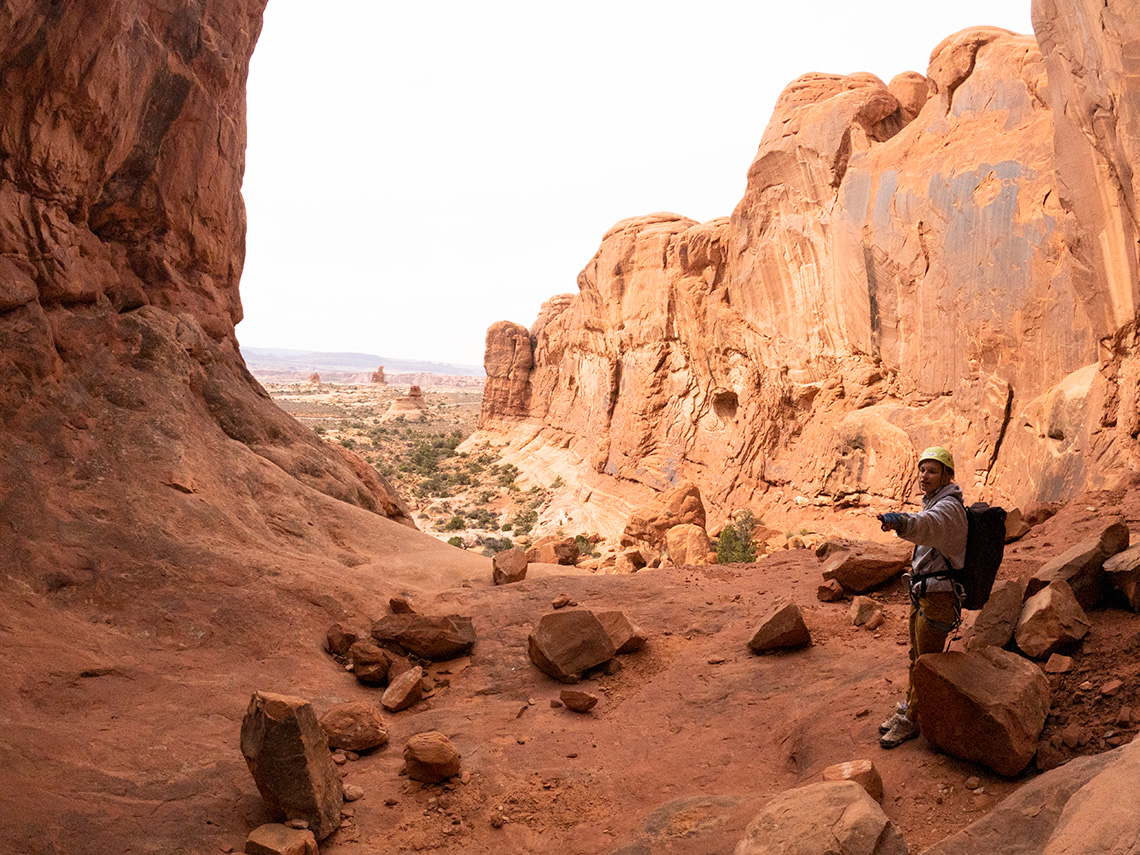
x=378 y=377
x=315 y=378
x=411 y=406
x=294 y=366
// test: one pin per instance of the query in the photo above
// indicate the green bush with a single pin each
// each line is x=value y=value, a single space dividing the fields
x=585 y=548
x=496 y=544
x=456 y=541
x=456 y=523
x=735 y=541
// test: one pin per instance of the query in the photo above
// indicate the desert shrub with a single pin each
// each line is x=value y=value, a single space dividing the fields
x=348 y=442
x=456 y=523
x=456 y=541
x=486 y=496
x=483 y=518
x=524 y=521
x=491 y=545
x=735 y=541
x=584 y=546
x=557 y=483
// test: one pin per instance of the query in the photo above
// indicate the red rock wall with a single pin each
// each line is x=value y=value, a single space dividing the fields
x=911 y=263
x=129 y=423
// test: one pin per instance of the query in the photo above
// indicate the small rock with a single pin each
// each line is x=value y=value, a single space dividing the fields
x=783 y=627
x=404 y=691
x=875 y=621
x=352 y=792
x=401 y=606
x=297 y=823
x=578 y=700
x=863 y=609
x=1111 y=687
x=369 y=663
x=1124 y=717
x=509 y=566
x=830 y=592
x=339 y=759
x=555 y=703
x=279 y=839
x=1058 y=664
x=560 y=602
x=973 y=782
x=862 y=772
x=339 y=639
x=431 y=758
x=355 y=725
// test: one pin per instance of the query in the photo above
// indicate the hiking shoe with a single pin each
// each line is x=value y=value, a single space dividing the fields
x=889 y=722
x=902 y=730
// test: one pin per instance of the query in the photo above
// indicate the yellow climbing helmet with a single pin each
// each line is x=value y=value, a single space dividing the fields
x=940 y=454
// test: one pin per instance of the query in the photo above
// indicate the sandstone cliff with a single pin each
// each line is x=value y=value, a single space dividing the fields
x=948 y=258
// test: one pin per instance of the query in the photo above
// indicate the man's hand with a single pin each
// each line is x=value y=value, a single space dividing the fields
x=890 y=521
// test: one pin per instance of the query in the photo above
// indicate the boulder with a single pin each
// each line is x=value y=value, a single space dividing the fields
x=431 y=758
x=626 y=636
x=553 y=549
x=565 y=644
x=1123 y=573
x=862 y=772
x=369 y=663
x=1036 y=513
x=866 y=564
x=434 y=638
x=997 y=619
x=338 y=639
x=1016 y=526
x=678 y=506
x=687 y=544
x=405 y=690
x=783 y=627
x=830 y=592
x=863 y=610
x=578 y=700
x=276 y=839
x=288 y=755
x=355 y=726
x=508 y=566
x=1050 y=620
x=987 y=706
x=834 y=816
x=1023 y=822
x=1083 y=565
x=630 y=560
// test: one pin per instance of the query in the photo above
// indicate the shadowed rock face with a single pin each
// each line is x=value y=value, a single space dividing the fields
x=128 y=417
x=910 y=264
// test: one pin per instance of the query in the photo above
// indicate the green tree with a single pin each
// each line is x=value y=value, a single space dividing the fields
x=735 y=541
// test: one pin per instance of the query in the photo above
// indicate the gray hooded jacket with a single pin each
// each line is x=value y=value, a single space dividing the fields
x=939 y=532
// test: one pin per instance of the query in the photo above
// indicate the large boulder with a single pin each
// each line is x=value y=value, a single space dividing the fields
x=626 y=636
x=288 y=755
x=1050 y=620
x=369 y=663
x=434 y=638
x=865 y=565
x=1024 y=821
x=781 y=628
x=1123 y=572
x=833 y=816
x=1082 y=567
x=678 y=506
x=987 y=706
x=566 y=644
x=997 y=619
x=553 y=549
x=509 y=566
x=687 y=544
x=404 y=690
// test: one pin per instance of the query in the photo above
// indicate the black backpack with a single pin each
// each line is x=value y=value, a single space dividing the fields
x=985 y=548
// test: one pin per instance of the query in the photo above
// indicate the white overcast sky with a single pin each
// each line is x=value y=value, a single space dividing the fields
x=417 y=171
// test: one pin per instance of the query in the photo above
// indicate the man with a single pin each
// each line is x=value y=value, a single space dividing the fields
x=939 y=532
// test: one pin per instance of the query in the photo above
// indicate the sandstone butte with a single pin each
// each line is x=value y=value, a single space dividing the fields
x=948 y=258
x=953 y=251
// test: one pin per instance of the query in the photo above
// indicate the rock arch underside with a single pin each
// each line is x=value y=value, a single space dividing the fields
x=952 y=254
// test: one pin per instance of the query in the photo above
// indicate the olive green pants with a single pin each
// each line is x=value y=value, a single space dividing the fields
x=932 y=618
